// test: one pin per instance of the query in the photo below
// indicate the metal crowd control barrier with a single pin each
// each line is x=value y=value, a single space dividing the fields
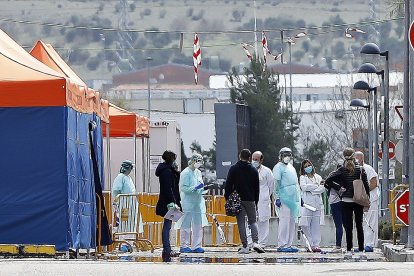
x=130 y=224
x=141 y=212
x=393 y=194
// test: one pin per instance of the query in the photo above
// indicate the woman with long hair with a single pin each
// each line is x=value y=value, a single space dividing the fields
x=342 y=181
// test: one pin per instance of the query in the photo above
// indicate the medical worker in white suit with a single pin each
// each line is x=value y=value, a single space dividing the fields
x=370 y=222
x=312 y=211
x=267 y=183
x=287 y=195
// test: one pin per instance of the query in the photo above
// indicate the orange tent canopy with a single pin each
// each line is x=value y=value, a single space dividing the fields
x=124 y=123
x=48 y=56
x=79 y=96
x=24 y=81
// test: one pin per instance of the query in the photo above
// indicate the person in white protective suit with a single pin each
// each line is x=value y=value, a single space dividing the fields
x=267 y=184
x=193 y=206
x=312 y=211
x=287 y=195
x=370 y=222
x=123 y=183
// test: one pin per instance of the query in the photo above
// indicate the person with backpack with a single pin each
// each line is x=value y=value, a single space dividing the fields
x=243 y=179
x=342 y=180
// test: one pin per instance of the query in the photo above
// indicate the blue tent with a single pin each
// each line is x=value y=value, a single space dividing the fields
x=47 y=185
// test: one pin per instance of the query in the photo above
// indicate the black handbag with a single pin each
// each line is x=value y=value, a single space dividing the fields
x=233 y=204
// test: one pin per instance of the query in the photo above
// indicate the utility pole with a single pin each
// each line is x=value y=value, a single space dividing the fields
x=410 y=242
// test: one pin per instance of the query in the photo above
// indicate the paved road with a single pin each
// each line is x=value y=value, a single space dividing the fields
x=83 y=267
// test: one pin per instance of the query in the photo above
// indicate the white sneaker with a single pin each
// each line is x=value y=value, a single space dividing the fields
x=336 y=250
x=258 y=248
x=362 y=256
x=244 y=250
x=348 y=255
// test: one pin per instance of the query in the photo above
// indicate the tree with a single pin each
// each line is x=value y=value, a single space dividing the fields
x=183 y=156
x=272 y=123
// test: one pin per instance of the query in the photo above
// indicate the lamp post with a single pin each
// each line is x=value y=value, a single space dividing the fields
x=148 y=59
x=371 y=69
x=373 y=49
x=291 y=41
x=373 y=144
x=360 y=103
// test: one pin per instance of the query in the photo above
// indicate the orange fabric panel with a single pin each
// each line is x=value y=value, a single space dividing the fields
x=121 y=126
x=48 y=55
x=33 y=93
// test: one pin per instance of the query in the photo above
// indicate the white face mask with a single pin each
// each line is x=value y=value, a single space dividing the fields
x=256 y=164
x=197 y=165
x=286 y=159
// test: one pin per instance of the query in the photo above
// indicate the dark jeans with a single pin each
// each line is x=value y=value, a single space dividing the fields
x=348 y=210
x=336 y=210
x=166 y=227
x=248 y=209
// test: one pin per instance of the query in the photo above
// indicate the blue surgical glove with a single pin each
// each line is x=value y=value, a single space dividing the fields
x=278 y=203
x=199 y=186
x=170 y=205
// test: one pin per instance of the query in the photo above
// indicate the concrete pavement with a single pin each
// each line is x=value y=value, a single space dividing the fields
x=82 y=267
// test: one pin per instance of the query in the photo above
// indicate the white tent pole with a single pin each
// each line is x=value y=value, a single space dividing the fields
x=135 y=159
x=108 y=157
x=144 y=176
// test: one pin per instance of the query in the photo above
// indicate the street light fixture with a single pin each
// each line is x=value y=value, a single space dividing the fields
x=372 y=117
x=373 y=49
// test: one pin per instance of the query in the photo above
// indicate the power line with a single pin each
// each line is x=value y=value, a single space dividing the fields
x=59 y=25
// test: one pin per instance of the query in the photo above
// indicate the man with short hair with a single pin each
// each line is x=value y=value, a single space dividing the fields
x=267 y=184
x=370 y=222
x=244 y=179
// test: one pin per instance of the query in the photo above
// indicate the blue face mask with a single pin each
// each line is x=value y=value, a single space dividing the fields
x=308 y=169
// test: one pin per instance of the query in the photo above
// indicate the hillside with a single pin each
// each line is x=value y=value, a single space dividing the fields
x=95 y=54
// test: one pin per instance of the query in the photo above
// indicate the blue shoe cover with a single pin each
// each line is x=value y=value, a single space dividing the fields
x=369 y=249
x=185 y=250
x=198 y=250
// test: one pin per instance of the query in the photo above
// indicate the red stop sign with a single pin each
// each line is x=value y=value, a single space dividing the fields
x=401 y=207
x=391 y=151
x=411 y=35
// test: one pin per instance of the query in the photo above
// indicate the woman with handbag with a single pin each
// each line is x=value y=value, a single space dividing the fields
x=343 y=181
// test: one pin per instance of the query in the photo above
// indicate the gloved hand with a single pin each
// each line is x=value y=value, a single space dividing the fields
x=278 y=203
x=171 y=205
x=199 y=186
x=341 y=191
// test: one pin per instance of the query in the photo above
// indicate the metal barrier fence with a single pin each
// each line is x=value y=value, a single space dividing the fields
x=152 y=224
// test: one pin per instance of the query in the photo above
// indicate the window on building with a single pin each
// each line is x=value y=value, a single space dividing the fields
x=193 y=106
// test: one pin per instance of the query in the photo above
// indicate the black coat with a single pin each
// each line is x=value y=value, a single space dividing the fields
x=169 y=191
x=243 y=178
x=342 y=178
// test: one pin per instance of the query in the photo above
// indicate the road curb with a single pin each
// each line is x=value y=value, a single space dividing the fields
x=397 y=253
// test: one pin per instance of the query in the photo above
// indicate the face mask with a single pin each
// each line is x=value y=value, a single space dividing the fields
x=197 y=165
x=256 y=164
x=286 y=159
x=308 y=169
x=174 y=164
